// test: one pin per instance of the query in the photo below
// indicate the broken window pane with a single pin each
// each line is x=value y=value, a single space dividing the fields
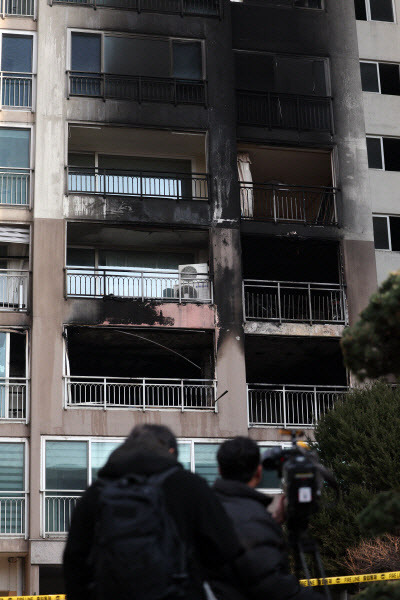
x=381 y=10
x=391 y=150
x=381 y=236
x=395 y=232
x=361 y=11
x=369 y=77
x=390 y=79
x=374 y=153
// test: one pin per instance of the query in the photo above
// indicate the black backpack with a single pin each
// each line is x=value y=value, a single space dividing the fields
x=137 y=552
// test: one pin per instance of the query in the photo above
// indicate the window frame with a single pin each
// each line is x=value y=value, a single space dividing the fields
x=29 y=205
x=368 y=13
x=33 y=35
x=379 y=137
x=376 y=63
x=25 y=492
x=389 y=231
x=106 y=33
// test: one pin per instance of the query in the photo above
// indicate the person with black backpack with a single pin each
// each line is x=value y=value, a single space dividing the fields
x=147 y=529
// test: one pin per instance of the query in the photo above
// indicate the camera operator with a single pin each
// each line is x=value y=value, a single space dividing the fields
x=260 y=534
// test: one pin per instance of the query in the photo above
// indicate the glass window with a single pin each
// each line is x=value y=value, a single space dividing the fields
x=80 y=257
x=254 y=71
x=187 y=61
x=270 y=478
x=381 y=10
x=16 y=53
x=391 y=150
x=395 y=233
x=12 y=467
x=361 y=11
x=374 y=153
x=148 y=57
x=3 y=354
x=86 y=53
x=76 y=159
x=369 y=77
x=14 y=147
x=66 y=465
x=100 y=451
x=390 y=79
x=205 y=461
x=300 y=76
x=184 y=452
x=381 y=236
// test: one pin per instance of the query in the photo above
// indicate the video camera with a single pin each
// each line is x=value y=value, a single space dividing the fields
x=303 y=478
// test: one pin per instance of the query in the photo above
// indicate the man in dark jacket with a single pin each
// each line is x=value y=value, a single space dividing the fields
x=260 y=534
x=200 y=520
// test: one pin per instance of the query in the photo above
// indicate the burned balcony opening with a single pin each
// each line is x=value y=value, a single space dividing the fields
x=287 y=280
x=139 y=369
x=14 y=267
x=292 y=382
x=163 y=265
x=284 y=185
x=136 y=163
x=13 y=375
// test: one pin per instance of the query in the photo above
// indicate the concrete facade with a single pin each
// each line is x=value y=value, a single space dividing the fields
x=279 y=342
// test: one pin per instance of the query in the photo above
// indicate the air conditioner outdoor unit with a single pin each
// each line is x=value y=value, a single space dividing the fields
x=194 y=284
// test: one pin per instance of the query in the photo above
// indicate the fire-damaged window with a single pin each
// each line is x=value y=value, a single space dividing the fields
x=144 y=56
x=13 y=374
x=137 y=369
x=283 y=74
x=14 y=267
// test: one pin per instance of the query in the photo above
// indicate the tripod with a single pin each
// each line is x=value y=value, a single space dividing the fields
x=303 y=544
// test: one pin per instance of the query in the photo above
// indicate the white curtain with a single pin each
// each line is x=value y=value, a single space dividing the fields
x=246 y=191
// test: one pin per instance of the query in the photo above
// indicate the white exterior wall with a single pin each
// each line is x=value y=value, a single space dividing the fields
x=380 y=41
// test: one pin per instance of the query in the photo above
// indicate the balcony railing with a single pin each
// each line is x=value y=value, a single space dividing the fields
x=144 y=394
x=13 y=507
x=284 y=111
x=14 y=290
x=14 y=399
x=140 y=89
x=16 y=90
x=58 y=509
x=281 y=203
x=15 y=186
x=168 y=286
x=292 y=3
x=290 y=405
x=139 y=184
x=204 y=8
x=289 y=301
x=17 y=8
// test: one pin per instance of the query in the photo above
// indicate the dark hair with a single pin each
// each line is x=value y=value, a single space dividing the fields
x=151 y=438
x=238 y=459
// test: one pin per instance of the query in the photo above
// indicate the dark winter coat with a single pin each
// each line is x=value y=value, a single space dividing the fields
x=264 y=545
x=200 y=519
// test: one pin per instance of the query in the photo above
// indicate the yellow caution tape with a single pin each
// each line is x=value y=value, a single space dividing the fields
x=45 y=597
x=369 y=578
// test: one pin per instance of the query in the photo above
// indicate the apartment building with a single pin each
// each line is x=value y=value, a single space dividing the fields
x=378 y=40
x=185 y=230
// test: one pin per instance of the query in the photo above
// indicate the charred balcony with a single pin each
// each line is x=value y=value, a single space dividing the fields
x=131 y=369
x=282 y=185
x=292 y=281
x=160 y=175
x=137 y=68
x=199 y=8
x=14 y=268
x=292 y=383
x=166 y=266
x=14 y=382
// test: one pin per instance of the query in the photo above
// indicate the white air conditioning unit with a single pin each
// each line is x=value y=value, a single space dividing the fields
x=194 y=283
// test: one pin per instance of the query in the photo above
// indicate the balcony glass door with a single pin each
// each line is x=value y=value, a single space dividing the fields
x=14 y=166
x=4 y=373
x=16 y=70
x=12 y=488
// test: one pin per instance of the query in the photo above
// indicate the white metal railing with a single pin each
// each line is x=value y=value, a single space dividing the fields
x=14 y=399
x=137 y=393
x=16 y=90
x=304 y=302
x=168 y=286
x=57 y=510
x=15 y=186
x=272 y=405
x=13 y=513
x=17 y=8
x=14 y=289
